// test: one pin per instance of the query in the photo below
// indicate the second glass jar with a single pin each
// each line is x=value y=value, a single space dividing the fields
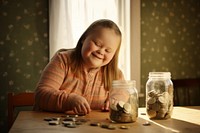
x=159 y=95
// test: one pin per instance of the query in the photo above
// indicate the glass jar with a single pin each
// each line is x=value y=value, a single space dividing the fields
x=159 y=95
x=123 y=98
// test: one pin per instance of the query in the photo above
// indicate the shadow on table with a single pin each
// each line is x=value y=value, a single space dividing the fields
x=175 y=125
x=192 y=107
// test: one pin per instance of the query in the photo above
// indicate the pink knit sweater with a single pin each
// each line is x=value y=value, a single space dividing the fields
x=57 y=82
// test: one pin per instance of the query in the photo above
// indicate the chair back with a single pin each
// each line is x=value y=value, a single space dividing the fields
x=18 y=100
x=186 y=92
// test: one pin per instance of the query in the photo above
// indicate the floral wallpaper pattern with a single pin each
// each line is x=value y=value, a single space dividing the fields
x=23 y=47
x=170 y=37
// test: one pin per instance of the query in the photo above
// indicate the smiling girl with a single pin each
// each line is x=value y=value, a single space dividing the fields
x=79 y=79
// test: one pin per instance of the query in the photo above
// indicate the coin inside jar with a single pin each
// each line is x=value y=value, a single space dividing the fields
x=152 y=93
x=151 y=113
x=161 y=99
x=151 y=100
x=127 y=108
x=120 y=105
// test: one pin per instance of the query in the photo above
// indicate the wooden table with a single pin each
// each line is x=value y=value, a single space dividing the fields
x=184 y=120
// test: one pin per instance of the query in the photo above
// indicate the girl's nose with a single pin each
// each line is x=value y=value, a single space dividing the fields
x=101 y=51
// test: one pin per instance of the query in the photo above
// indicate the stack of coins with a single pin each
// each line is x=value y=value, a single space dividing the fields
x=124 y=112
x=159 y=105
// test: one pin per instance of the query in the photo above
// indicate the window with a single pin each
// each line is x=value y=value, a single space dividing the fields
x=69 y=18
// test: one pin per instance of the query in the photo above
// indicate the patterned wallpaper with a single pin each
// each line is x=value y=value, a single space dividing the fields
x=170 y=38
x=23 y=47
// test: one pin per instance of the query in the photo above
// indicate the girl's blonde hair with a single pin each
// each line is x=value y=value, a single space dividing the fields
x=110 y=71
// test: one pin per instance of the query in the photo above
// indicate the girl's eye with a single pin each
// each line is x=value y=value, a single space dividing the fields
x=97 y=44
x=108 y=50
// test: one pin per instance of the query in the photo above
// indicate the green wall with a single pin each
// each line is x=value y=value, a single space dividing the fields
x=23 y=47
x=170 y=38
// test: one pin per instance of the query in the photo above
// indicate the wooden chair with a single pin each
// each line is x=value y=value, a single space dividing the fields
x=186 y=92
x=22 y=99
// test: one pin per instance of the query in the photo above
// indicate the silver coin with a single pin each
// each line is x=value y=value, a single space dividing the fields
x=48 y=119
x=111 y=127
x=71 y=126
x=162 y=99
x=151 y=113
x=120 y=105
x=53 y=122
x=146 y=123
x=151 y=100
x=113 y=107
x=152 y=93
x=95 y=124
x=124 y=127
x=66 y=122
x=127 y=108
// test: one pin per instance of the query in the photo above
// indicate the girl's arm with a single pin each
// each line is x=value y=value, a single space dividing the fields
x=47 y=95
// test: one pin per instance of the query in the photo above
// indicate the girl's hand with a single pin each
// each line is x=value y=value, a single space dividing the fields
x=79 y=104
x=105 y=107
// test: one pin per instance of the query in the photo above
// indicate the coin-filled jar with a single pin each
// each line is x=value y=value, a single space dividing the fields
x=123 y=98
x=159 y=95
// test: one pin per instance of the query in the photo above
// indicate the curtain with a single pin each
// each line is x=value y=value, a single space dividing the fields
x=70 y=18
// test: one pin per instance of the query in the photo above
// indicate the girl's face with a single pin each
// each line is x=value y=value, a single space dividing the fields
x=99 y=47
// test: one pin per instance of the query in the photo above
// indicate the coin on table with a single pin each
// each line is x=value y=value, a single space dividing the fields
x=53 y=122
x=71 y=126
x=124 y=127
x=56 y=118
x=111 y=127
x=95 y=124
x=65 y=123
x=48 y=119
x=146 y=123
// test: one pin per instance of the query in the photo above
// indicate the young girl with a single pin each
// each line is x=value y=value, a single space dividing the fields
x=79 y=79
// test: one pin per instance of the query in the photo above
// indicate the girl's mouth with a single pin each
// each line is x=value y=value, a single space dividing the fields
x=97 y=56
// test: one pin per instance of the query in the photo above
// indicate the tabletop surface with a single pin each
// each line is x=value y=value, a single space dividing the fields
x=184 y=120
